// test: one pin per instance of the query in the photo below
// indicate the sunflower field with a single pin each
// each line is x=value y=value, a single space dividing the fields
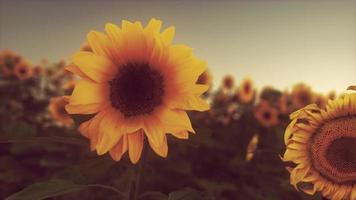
x=133 y=116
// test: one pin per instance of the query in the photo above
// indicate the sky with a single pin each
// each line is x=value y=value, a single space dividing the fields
x=275 y=42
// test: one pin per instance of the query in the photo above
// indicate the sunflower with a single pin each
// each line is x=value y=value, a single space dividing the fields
x=8 y=61
x=137 y=83
x=322 y=145
x=251 y=148
x=23 y=71
x=58 y=113
x=284 y=103
x=228 y=82
x=246 y=91
x=302 y=95
x=266 y=115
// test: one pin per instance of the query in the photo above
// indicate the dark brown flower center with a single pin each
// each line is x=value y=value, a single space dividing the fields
x=333 y=150
x=137 y=89
x=247 y=88
x=267 y=115
x=23 y=70
x=341 y=153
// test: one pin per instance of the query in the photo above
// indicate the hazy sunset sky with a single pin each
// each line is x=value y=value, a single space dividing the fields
x=277 y=43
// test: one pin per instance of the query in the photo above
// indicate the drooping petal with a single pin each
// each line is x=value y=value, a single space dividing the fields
x=135 y=141
x=160 y=150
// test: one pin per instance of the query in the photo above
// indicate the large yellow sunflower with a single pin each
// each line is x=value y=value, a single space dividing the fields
x=137 y=83
x=322 y=145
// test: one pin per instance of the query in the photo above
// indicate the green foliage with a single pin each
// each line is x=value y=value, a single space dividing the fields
x=46 y=189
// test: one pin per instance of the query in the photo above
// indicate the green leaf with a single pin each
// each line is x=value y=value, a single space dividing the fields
x=46 y=189
x=57 y=139
x=185 y=194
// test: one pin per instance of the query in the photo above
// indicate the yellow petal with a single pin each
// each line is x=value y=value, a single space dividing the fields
x=135 y=141
x=99 y=43
x=161 y=150
x=175 y=119
x=154 y=130
x=191 y=103
x=98 y=68
x=88 y=92
x=110 y=132
x=154 y=26
x=90 y=129
x=181 y=135
x=119 y=149
x=75 y=70
x=168 y=35
x=85 y=109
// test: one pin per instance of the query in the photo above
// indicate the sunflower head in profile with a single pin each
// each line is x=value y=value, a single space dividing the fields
x=228 y=82
x=322 y=145
x=266 y=115
x=23 y=70
x=302 y=95
x=251 y=148
x=246 y=91
x=58 y=112
x=136 y=83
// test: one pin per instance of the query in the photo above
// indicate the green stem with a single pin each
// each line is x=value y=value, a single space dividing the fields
x=134 y=190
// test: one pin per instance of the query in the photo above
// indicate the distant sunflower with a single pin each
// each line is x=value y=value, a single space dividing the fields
x=137 y=83
x=23 y=71
x=57 y=110
x=285 y=103
x=246 y=91
x=251 y=148
x=37 y=70
x=228 y=82
x=302 y=95
x=322 y=144
x=266 y=115
x=8 y=60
